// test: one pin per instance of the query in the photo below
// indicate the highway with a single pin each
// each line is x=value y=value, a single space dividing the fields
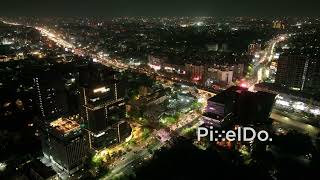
x=55 y=38
x=266 y=56
x=295 y=124
x=132 y=159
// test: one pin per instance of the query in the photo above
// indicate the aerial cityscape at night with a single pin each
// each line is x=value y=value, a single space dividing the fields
x=159 y=90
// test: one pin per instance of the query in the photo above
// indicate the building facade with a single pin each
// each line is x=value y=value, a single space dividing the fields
x=102 y=104
x=292 y=71
x=64 y=143
x=50 y=95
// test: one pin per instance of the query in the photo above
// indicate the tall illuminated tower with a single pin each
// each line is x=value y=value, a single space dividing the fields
x=102 y=104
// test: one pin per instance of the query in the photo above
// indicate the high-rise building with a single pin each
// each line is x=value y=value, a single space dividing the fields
x=312 y=82
x=50 y=95
x=65 y=144
x=102 y=104
x=292 y=71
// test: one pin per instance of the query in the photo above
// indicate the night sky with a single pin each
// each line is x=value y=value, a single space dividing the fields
x=154 y=8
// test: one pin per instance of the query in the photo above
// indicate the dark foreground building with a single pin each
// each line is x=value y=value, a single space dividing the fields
x=50 y=94
x=240 y=106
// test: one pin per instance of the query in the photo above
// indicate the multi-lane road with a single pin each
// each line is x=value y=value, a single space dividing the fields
x=296 y=123
x=55 y=38
x=266 y=56
x=139 y=154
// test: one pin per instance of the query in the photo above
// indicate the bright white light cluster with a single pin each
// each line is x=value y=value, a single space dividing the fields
x=3 y=166
x=315 y=111
x=282 y=102
x=155 y=67
x=297 y=105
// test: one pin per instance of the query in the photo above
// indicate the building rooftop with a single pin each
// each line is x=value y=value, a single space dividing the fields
x=228 y=93
x=65 y=125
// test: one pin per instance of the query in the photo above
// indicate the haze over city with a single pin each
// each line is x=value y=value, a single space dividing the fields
x=136 y=89
x=155 y=8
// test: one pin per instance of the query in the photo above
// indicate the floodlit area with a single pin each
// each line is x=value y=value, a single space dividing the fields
x=65 y=125
x=3 y=166
x=110 y=155
x=285 y=103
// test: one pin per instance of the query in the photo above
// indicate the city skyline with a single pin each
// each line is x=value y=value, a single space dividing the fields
x=102 y=97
